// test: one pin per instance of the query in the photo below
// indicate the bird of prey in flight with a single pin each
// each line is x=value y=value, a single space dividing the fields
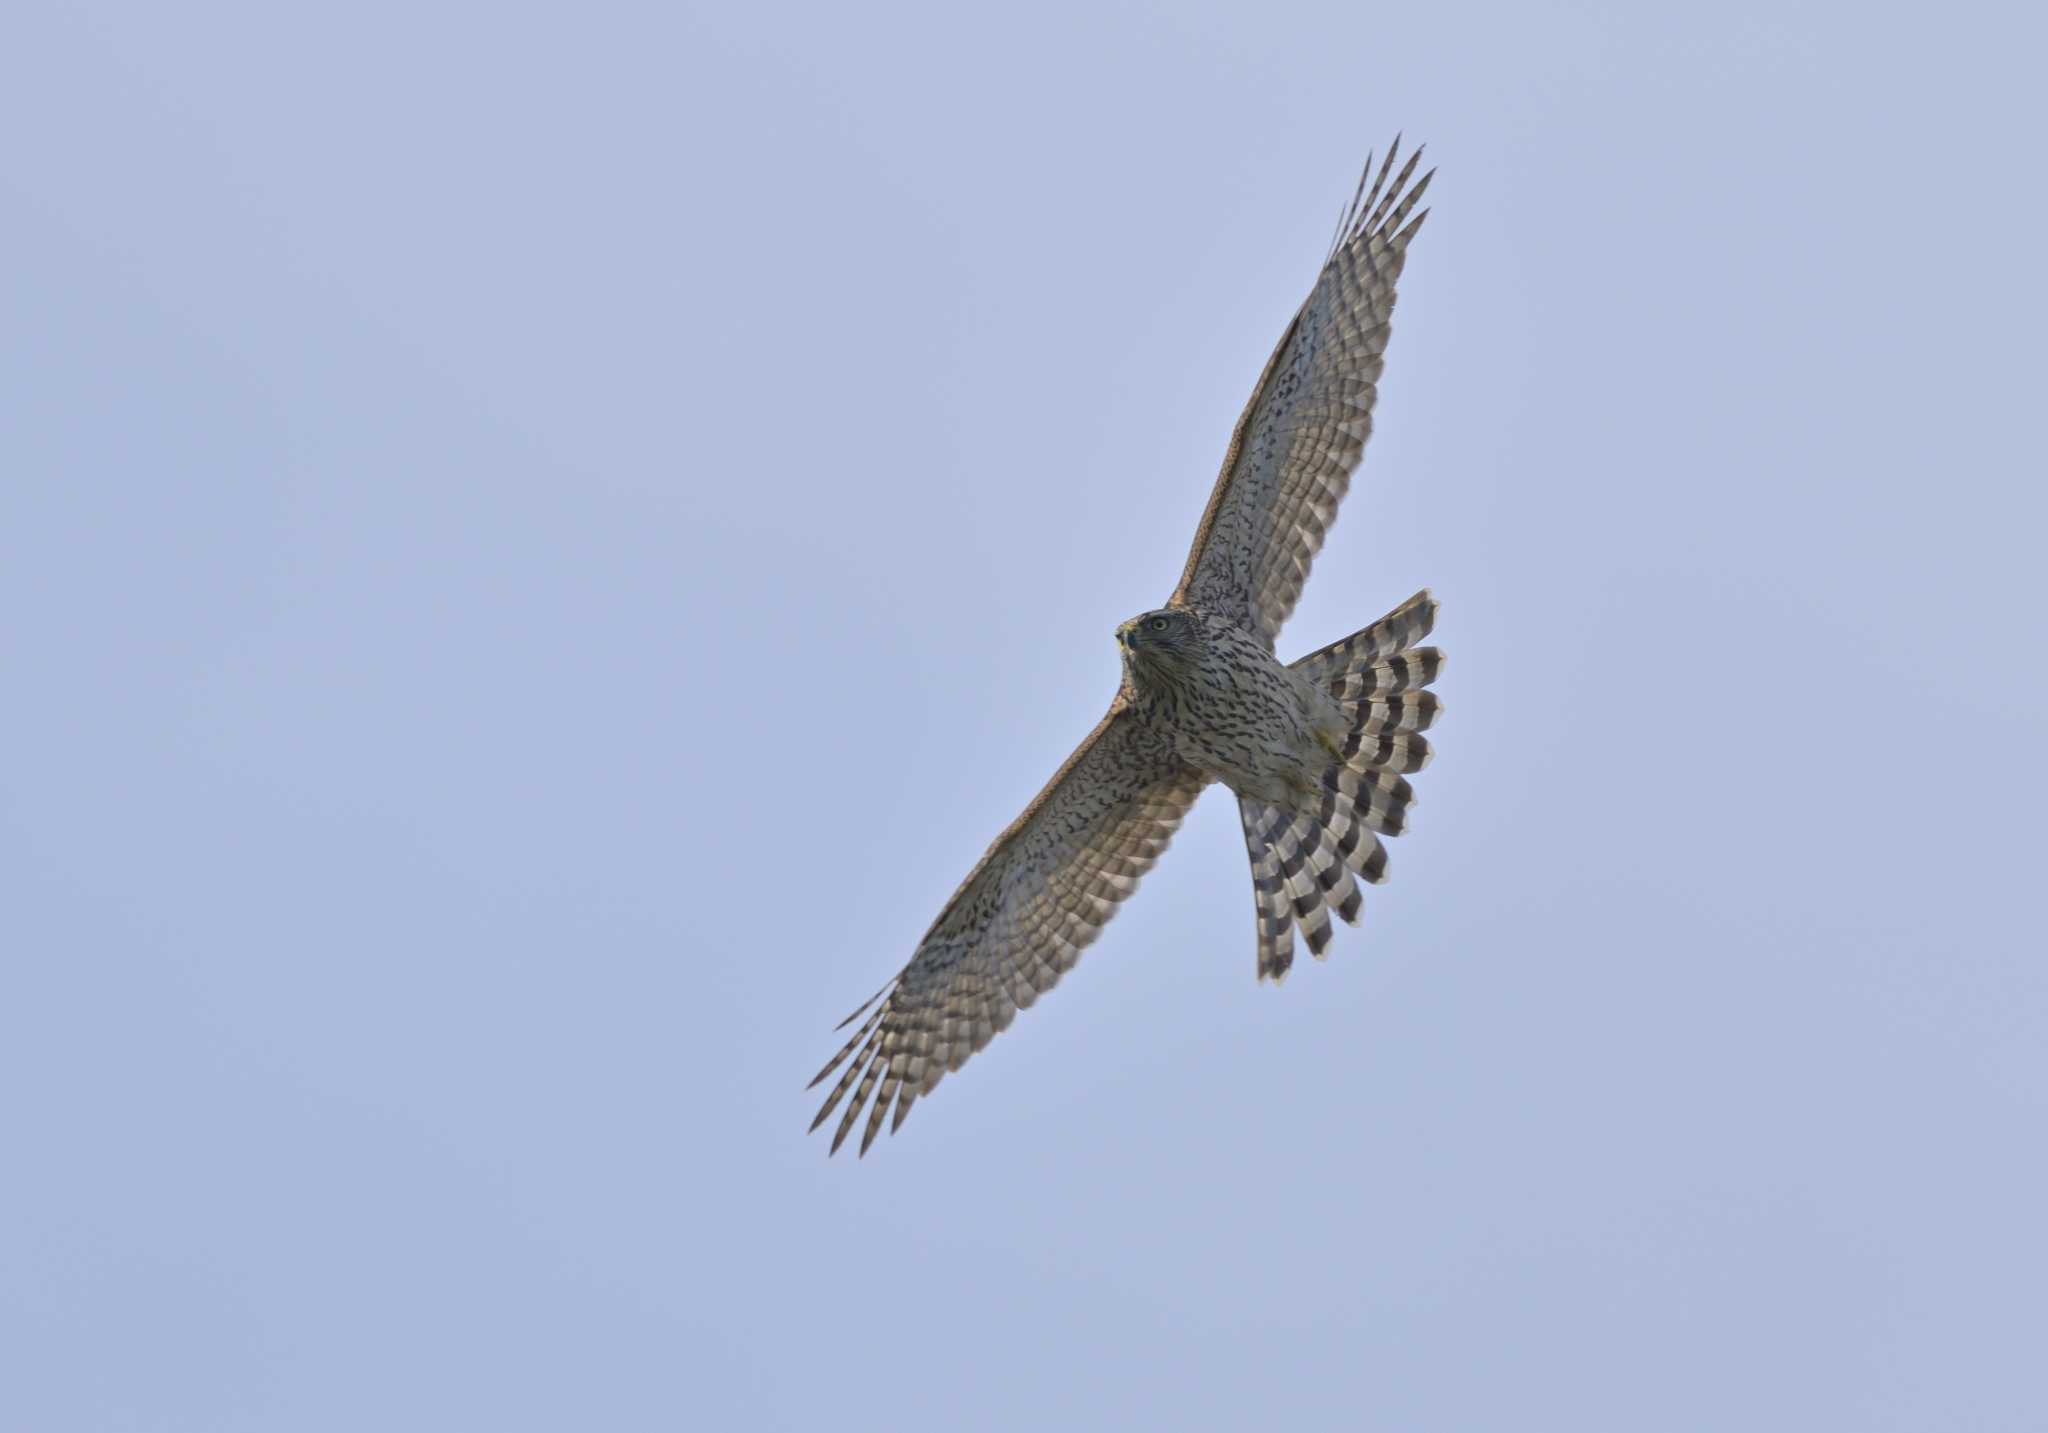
x=1317 y=750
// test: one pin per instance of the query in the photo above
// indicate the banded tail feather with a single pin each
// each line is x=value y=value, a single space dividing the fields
x=1306 y=866
x=1307 y=863
x=1398 y=631
x=1404 y=751
x=1269 y=891
x=1297 y=878
x=1404 y=671
x=1397 y=712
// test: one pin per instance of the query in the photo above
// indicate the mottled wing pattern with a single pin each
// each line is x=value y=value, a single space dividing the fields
x=1018 y=922
x=1294 y=448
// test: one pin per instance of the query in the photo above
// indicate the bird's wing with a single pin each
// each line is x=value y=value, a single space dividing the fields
x=1019 y=921
x=1294 y=448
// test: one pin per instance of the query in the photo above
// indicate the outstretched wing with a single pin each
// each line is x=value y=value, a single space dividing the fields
x=1294 y=448
x=1019 y=921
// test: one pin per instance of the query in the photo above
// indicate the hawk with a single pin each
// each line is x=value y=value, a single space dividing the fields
x=1318 y=750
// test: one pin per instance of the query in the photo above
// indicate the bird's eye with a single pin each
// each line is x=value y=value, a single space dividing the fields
x=1158 y=624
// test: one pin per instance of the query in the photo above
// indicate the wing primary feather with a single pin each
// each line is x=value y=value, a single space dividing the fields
x=1373 y=197
x=892 y=1083
x=874 y=1062
x=864 y=1005
x=1348 y=214
x=847 y=1049
x=839 y=1090
x=1408 y=200
x=1394 y=192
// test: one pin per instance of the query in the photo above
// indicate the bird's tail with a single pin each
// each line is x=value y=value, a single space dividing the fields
x=1307 y=861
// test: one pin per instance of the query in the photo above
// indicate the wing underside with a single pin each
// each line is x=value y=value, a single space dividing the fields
x=1018 y=922
x=1294 y=448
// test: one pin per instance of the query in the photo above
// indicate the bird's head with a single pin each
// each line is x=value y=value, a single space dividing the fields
x=1160 y=644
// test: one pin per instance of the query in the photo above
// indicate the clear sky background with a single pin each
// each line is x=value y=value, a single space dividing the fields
x=537 y=544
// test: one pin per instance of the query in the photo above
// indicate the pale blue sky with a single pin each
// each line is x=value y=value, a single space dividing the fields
x=540 y=542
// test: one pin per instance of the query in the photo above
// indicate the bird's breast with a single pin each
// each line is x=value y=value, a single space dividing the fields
x=1245 y=724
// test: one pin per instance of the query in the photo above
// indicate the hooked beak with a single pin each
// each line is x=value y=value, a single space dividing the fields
x=1124 y=633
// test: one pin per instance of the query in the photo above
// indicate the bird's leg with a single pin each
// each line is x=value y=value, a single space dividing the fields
x=1331 y=740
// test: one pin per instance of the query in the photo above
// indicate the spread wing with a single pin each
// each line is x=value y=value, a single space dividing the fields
x=1294 y=448
x=1019 y=921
